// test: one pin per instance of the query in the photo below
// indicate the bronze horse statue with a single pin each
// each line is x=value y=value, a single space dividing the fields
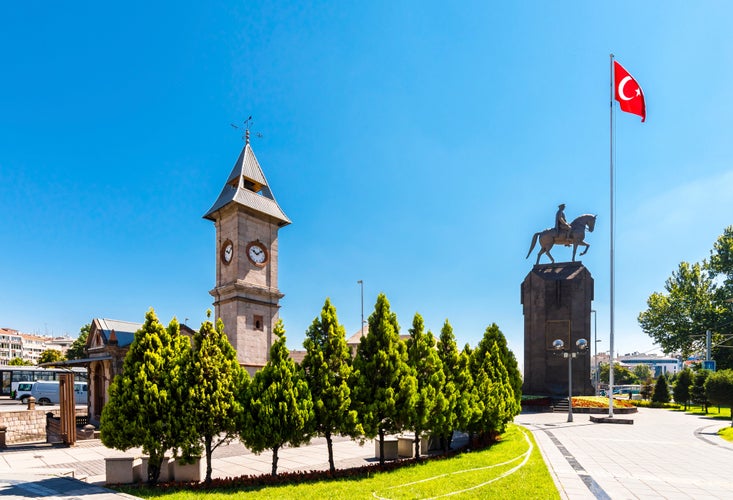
x=550 y=237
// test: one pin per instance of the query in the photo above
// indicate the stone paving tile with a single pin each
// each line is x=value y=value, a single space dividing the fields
x=640 y=460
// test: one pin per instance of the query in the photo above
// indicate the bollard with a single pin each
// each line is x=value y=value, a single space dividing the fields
x=31 y=403
x=3 y=430
x=88 y=431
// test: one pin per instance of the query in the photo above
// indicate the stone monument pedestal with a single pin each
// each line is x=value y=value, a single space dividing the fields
x=556 y=300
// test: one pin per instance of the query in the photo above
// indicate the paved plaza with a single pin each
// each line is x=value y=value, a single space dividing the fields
x=664 y=454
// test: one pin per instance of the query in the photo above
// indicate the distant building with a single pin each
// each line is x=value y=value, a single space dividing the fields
x=354 y=341
x=33 y=346
x=660 y=365
x=60 y=343
x=28 y=347
x=11 y=345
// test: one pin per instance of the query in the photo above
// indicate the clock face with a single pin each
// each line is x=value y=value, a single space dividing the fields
x=227 y=252
x=257 y=253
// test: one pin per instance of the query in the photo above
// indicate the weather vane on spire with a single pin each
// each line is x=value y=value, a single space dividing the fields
x=247 y=123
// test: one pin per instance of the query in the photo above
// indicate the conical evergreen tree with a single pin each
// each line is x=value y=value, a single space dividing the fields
x=384 y=388
x=327 y=369
x=681 y=389
x=430 y=407
x=215 y=381
x=494 y=335
x=449 y=356
x=661 y=391
x=148 y=402
x=278 y=405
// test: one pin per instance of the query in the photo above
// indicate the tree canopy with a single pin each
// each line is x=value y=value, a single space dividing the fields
x=327 y=370
x=681 y=389
x=385 y=387
x=147 y=401
x=77 y=350
x=621 y=374
x=51 y=356
x=696 y=299
x=20 y=362
x=719 y=389
x=215 y=379
x=429 y=410
x=661 y=390
x=278 y=406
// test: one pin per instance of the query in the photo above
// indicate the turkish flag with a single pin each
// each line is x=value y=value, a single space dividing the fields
x=628 y=92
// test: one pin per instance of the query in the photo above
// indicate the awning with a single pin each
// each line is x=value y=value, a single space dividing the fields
x=76 y=362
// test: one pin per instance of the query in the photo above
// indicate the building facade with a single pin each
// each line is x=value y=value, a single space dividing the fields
x=660 y=365
x=28 y=347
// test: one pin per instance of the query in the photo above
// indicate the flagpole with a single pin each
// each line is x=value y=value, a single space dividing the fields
x=612 y=258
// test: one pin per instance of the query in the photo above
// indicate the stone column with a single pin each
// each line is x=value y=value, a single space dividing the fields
x=556 y=300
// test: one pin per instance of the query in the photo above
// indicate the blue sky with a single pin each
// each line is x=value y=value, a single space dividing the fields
x=415 y=145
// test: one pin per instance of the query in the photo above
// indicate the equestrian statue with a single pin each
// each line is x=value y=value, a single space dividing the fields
x=563 y=234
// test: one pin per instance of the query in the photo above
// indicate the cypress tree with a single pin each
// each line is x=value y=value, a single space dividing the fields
x=681 y=389
x=384 y=388
x=495 y=401
x=215 y=381
x=430 y=406
x=278 y=405
x=494 y=335
x=449 y=356
x=148 y=404
x=661 y=391
x=327 y=369
x=697 y=391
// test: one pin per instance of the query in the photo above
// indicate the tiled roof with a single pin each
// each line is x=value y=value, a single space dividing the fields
x=247 y=172
x=124 y=330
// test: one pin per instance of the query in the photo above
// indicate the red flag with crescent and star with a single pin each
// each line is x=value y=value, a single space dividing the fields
x=628 y=92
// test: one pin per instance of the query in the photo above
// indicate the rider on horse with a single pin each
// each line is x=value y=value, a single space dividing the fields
x=561 y=225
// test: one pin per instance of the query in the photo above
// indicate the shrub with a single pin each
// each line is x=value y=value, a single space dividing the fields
x=661 y=391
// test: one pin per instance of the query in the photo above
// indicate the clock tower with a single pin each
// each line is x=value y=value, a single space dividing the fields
x=246 y=297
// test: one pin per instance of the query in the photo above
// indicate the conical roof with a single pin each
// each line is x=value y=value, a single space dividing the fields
x=247 y=186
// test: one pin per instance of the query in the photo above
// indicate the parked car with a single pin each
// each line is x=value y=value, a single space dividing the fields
x=47 y=392
x=24 y=391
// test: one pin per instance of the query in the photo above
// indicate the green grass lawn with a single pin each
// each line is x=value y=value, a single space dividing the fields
x=512 y=468
x=714 y=412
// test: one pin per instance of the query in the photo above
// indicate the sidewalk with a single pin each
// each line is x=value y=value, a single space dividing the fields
x=31 y=471
x=664 y=454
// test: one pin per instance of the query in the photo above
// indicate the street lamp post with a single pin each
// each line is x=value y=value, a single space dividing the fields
x=559 y=346
x=361 y=327
x=595 y=351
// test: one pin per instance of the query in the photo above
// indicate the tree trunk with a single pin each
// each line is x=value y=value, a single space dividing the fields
x=445 y=442
x=154 y=462
x=329 y=443
x=417 y=443
x=381 y=446
x=274 y=459
x=207 y=445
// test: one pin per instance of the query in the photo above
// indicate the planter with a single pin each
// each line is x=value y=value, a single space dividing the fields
x=165 y=470
x=188 y=472
x=121 y=470
x=406 y=445
x=391 y=447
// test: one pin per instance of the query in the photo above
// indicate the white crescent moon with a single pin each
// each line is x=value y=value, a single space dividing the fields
x=621 y=84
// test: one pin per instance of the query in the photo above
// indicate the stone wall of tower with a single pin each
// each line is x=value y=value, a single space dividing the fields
x=247 y=298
